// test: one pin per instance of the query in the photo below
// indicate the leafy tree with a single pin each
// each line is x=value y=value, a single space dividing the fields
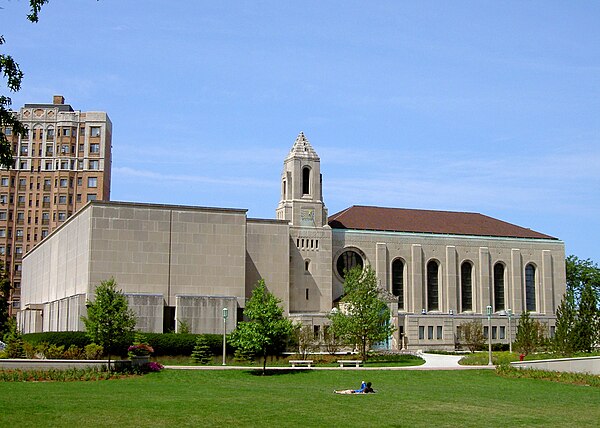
x=13 y=74
x=109 y=318
x=266 y=330
x=202 y=353
x=566 y=317
x=5 y=288
x=471 y=334
x=14 y=341
x=530 y=334
x=305 y=339
x=588 y=318
x=363 y=318
x=581 y=272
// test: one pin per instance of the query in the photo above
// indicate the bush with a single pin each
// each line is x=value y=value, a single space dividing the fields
x=93 y=351
x=58 y=338
x=54 y=352
x=73 y=353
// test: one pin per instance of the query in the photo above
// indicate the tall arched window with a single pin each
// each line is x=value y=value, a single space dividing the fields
x=432 y=286
x=530 y=288
x=498 y=287
x=398 y=281
x=466 y=286
x=306 y=180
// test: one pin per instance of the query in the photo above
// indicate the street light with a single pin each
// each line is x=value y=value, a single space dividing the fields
x=510 y=314
x=225 y=314
x=489 y=315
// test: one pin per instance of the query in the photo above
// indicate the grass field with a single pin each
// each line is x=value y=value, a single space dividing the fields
x=239 y=398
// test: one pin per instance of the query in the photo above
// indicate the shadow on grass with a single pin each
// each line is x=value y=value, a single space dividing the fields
x=278 y=372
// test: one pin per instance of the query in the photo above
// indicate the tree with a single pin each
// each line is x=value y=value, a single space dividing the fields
x=529 y=335
x=109 y=318
x=266 y=330
x=5 y=289
x=202 y=353
x=566 y=317
x=13 y=74
x=305 y=339
x=583 y=278
x=588 y=317
x=364 y=317
x=471 y=334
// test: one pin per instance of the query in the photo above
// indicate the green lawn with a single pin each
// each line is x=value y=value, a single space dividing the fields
x=304 y=399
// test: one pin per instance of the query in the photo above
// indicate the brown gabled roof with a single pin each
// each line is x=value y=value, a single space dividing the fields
x=426 y=221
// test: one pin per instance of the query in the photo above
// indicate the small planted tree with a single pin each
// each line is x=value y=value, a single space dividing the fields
x=266 y=329
x=471 y=335
x=202 y=353
x=529 y=335
x=365 y=317
x=564 y=341
x=305 y=339
x=109 y=318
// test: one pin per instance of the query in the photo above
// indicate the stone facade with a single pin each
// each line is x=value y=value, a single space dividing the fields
x=185 y=264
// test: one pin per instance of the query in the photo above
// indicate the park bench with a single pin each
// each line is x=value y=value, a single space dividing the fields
x=307 y=363
x=356 y=363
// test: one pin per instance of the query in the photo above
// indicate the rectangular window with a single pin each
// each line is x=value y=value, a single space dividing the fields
x=23 y=165
x=439 y=333
x=62 y=216
x=94 y=131
x=82 y=131
x=95 y=148
x=421 y=332
x=430 y=332
x=78 y=198
x=50 y=134
x=92 y=182
x=92 y=197
x=24 y=150
x=485 y=332
x=4 y=181
x=62 y=199
x=94 y=164
x=64 y=165
x=66 y=132
x=63 y=182
x=494 y=332
x=8 y=131
x=2 y=250
x=80 y=164
x=2 y=215
x=502 y=332
x=2 y=233
x=44 y=233
x=81 y=148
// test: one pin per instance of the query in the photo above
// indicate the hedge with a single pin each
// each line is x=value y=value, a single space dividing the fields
x=163 y=343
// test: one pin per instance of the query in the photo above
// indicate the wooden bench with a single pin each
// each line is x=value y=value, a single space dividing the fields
x=356 y=363
x=295 y=363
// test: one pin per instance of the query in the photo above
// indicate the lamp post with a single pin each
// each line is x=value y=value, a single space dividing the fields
x=225 y=314
x=489 y=315
x=510 y=314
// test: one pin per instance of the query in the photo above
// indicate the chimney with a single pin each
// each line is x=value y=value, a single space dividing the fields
x=58 y=99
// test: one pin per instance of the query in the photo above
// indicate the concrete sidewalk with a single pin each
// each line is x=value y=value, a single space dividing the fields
x=432 y=362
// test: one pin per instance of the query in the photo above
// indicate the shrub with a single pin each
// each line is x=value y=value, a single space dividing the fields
x=202 y=353
x=93 y=351
x=54 y=352
x=73 y=353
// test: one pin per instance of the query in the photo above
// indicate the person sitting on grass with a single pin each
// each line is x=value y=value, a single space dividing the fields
x=365 y=388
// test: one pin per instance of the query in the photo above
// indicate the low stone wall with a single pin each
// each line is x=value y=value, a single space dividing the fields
x=25 y=364
x=590 y=365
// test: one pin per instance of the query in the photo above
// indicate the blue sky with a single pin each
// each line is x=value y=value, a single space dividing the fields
x=481 y=106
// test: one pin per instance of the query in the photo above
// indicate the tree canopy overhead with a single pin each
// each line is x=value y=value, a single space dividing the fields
x=10 y=70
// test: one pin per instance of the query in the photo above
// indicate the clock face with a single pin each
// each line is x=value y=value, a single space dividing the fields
x=307 y=216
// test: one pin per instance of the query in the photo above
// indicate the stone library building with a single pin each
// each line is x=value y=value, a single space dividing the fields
x=436 y=269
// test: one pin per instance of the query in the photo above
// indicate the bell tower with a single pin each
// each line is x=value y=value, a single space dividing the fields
x=301 y=187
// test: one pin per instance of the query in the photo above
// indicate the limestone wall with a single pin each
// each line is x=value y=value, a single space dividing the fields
x=204 y=314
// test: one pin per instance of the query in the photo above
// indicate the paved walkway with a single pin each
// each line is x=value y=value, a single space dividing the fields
x=432 y=362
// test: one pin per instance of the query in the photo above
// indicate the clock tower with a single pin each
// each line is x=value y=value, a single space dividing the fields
x=301 y=187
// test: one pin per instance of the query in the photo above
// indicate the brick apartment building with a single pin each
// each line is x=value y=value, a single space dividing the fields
x=62 y=162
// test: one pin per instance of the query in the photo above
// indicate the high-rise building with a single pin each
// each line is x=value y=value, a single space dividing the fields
x=61 y=163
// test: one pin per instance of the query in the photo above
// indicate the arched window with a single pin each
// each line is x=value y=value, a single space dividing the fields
x=306 y=180
x=466 y=286
x=398 y=281
x=530 y=288
x=432 y=286
x=498 y=287
x=283 y=191
x=347 y=260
